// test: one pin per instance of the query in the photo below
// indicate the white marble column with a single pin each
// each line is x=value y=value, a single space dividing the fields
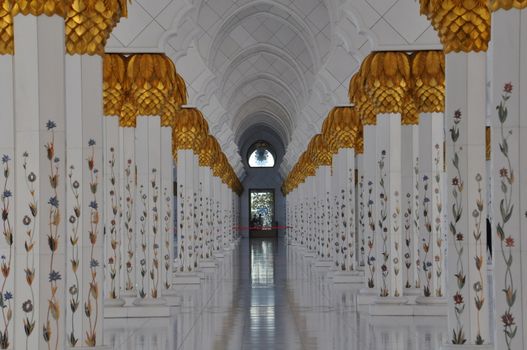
x=206 y=181
x=388 y=205
x=509 y=181
x=8 y=198
x=142 y=207
x=185 y=221
x=85 y=207
x=40 y=181
x=310 y=210
x=129 y=203
x=465 y=141
x=361 y=213
x=410 y=207
x=335 y=227
x=197 y=233
x=370 y=165
x=300 y=218
x=344 y=182
x=218 y=232
x=431 y=236
x=155 y=237
x=323 y=214
x=113 y=213
x=167 y=211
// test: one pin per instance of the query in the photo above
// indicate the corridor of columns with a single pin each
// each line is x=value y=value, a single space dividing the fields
x=274 y=174
x=271 y=299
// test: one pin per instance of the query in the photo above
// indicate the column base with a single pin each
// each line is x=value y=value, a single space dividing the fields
x=201 y=274
x=367 y=296
x=172 y=297
x=413 y=291
x=129 y=297
x=422 y=300
x=208 y=264
x=348 y=277
x=145 y=311
x=323 y=264
x=400 y=306
x=466 y=347
x=310 y=255
x=390 y=306
x=150 y=302
x=219 y=255
x=390 y=300
x=182 y=278
x=114 y=302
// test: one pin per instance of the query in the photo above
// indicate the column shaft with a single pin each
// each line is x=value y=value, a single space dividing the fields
x=509 y=180
x=465 y=124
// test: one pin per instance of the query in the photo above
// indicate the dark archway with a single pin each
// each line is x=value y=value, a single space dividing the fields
x=265 y=178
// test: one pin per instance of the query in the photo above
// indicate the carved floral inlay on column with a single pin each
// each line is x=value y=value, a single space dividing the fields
x=91 y=305
x=168 y=236
x=383 y=228
x=154 y=269
x=427 y=240
x=361 y=220
x=507 y=242
x=438 y=235
x=143 y=238
x=396 y=244
x=114 y=261
x=408 y=238
x=479 y=286
x=75 y=221
x=30 y=222
x=128 y=227
x=416 y=216
x=349 y=222
x=193 y=229
x=371 y=238
x=199 y=223
x=457 y=236
x=6 y=261
x=51 y=326
x=340 y=237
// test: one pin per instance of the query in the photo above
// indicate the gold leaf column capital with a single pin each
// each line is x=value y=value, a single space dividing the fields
x=359 y=144
x=152 y=78
x=340 y=128
x=6 y=28
x=387 y=80
x=114 y=83
x=41 y=7
x=88 y=24
x=361 y=101
x=410 y=114
x=496 y=5
x=208 y=152
x=462 y=25
x=189 y=130
x=428 y=73
x=319 y=151
x=306 y=166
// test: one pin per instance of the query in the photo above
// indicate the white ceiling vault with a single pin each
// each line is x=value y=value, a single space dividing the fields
x=277 y=63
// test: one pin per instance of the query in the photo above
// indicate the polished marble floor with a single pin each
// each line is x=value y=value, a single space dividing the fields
x=266 y=296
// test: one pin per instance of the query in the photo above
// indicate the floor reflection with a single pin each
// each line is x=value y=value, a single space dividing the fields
x=266 y=297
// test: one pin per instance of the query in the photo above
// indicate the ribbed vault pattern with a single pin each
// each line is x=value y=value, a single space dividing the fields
x=280 y=63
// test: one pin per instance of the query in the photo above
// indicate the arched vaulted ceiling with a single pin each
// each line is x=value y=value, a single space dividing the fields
x=279 y=64
x=264 y=51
